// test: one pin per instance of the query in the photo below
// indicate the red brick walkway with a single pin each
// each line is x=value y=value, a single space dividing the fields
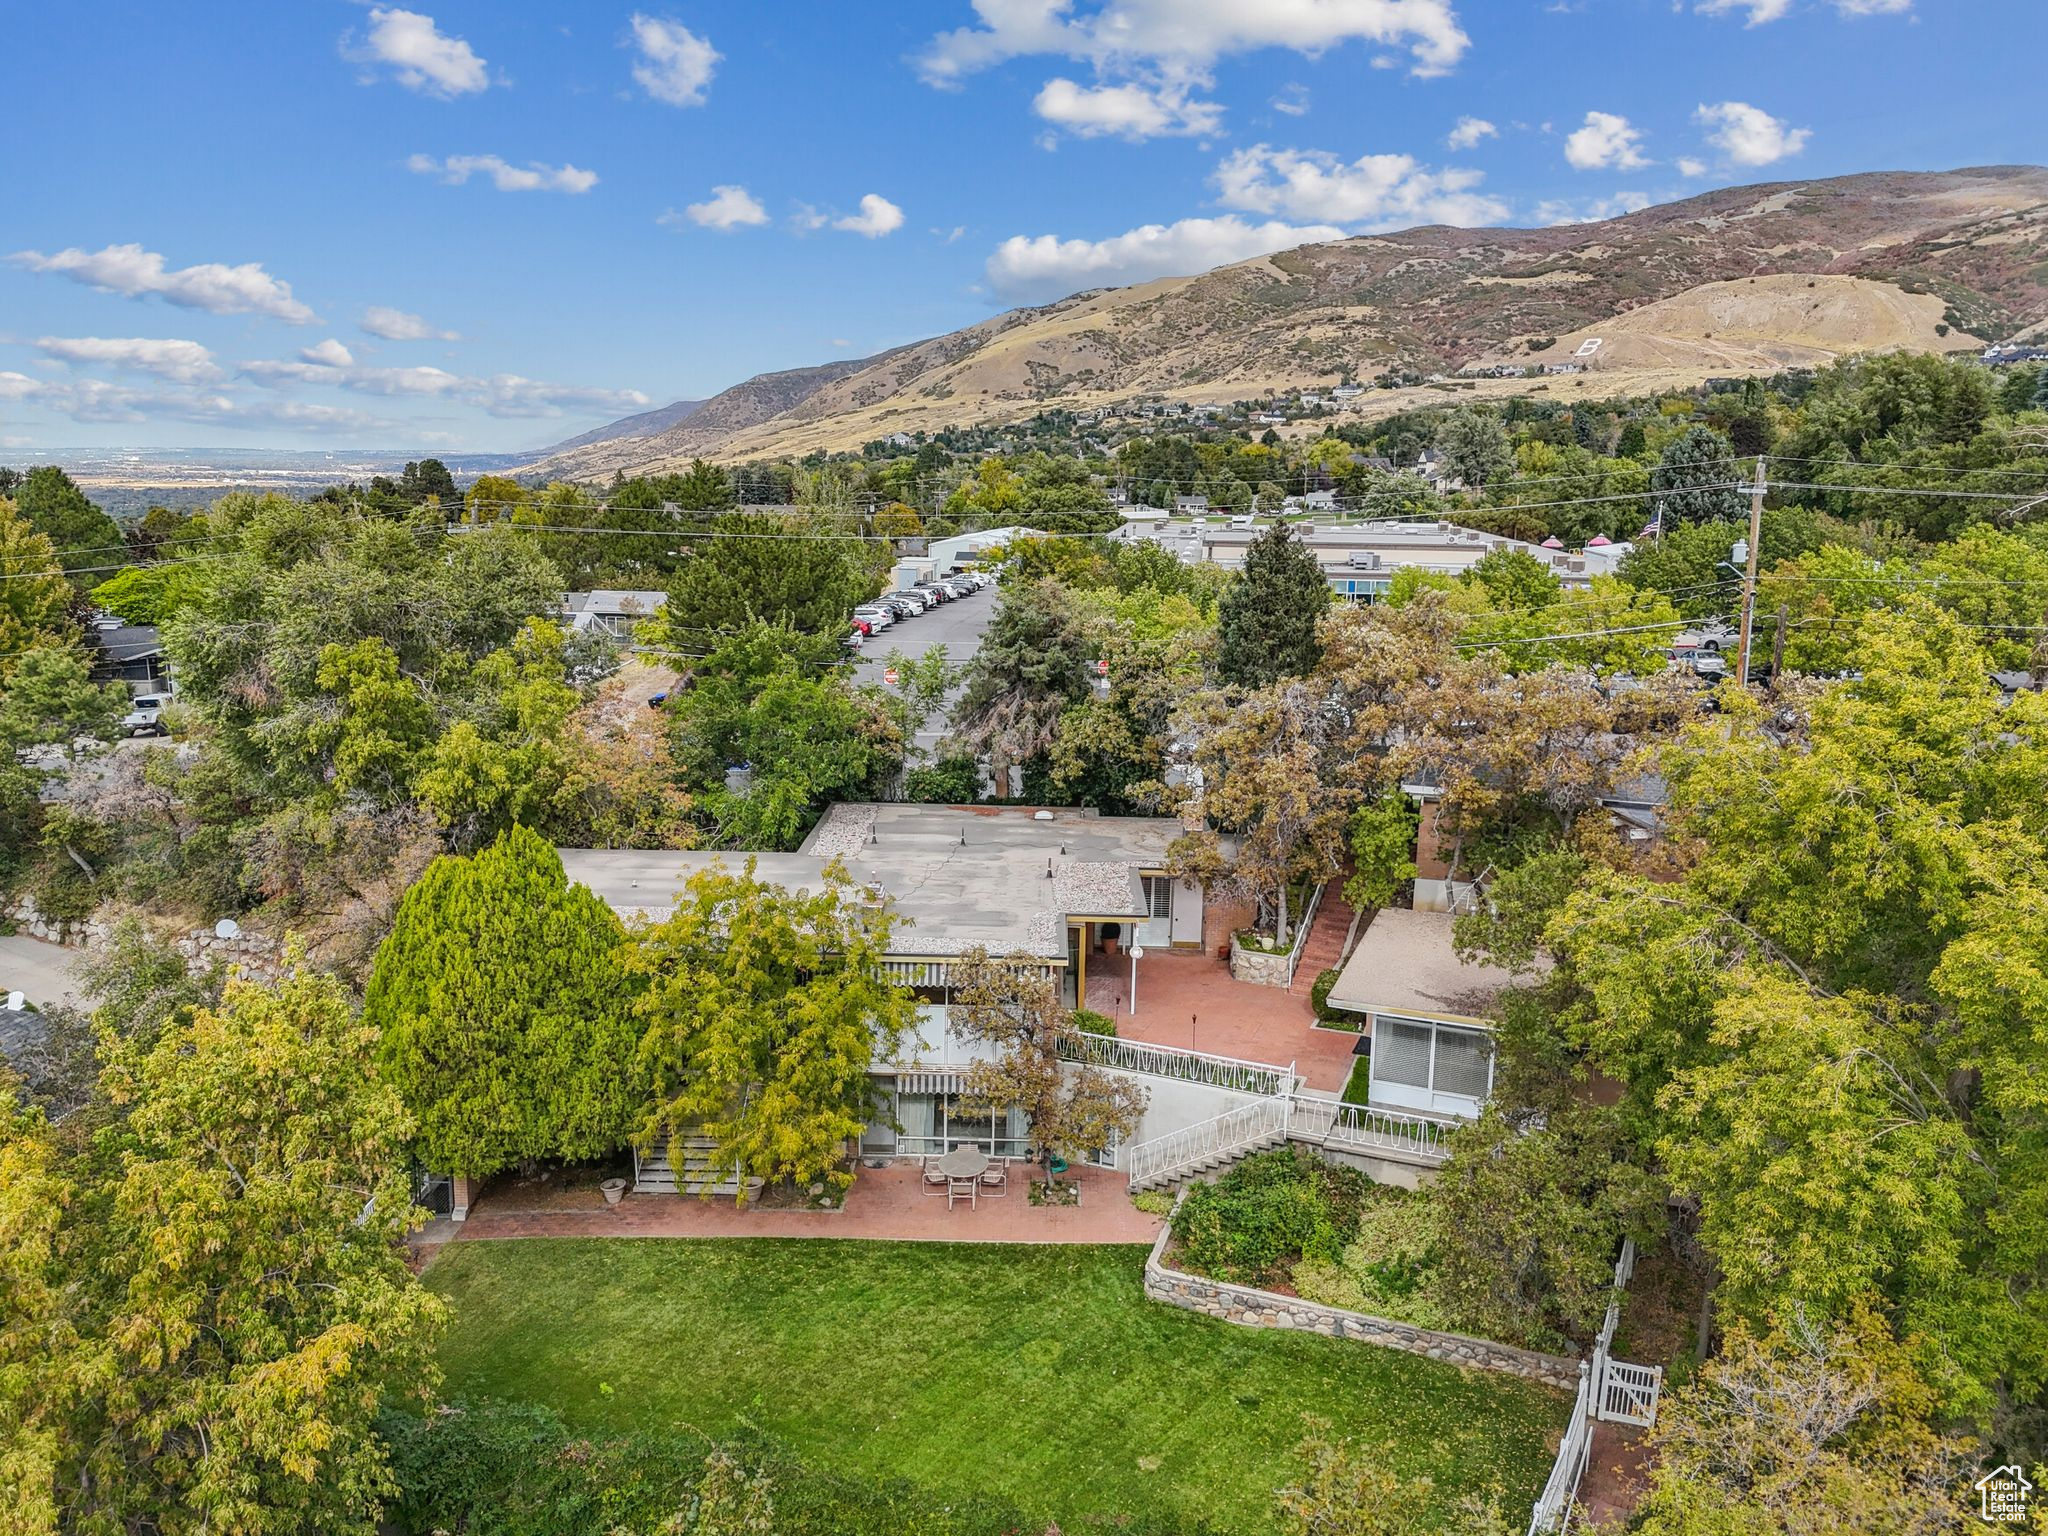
x=885 y=1203
x=1191 y=1000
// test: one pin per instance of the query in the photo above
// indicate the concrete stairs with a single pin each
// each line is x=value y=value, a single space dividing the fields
x=1325 y=945
x=1201 y=1167
x=657 y=1176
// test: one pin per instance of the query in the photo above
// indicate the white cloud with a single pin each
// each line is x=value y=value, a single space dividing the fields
x=675 y=64
x=328 y=354
x=182 y=362
x=877 y=217
x=1687 y=166
x=399 y=325
x=19 y=386
x=509 y=394
x=1035 y=268
x=415 y=381
x=502 y=394
x=421 y=56
x=1606 y=142
x=1179 y=39
x=950 y=236
x=1761 y=12
x=1293 y=100
x=728 y=207
x=1564 y=211
x=1749 y=135
x=1468 y=132
x=212 y=286
x=1377 y=191
x=1128 y=111
x=506 y=177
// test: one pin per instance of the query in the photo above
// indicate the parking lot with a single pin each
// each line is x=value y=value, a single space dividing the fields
x=957 y=625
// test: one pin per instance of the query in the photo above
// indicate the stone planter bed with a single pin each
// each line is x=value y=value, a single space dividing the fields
x=1251 y=1307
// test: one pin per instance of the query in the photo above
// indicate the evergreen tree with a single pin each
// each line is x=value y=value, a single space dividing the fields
x=1691 y=480
x=1032 y=665
x=504 y=1023
x=1475 y=447
x=79 y=531
x=1266 y=621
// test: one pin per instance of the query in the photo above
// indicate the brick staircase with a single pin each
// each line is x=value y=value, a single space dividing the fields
x=1325 y=938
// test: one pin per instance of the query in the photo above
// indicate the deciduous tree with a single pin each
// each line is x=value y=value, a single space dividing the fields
x=763 y=1009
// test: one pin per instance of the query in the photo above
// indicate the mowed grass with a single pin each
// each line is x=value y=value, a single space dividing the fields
x=1038 y=1374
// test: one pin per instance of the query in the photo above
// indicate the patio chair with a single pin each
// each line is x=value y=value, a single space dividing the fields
x=960 y=1189
x=995 y=1179
x=935 y=1182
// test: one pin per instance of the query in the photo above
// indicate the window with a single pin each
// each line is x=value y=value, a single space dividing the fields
x=1464 y=1062
x=1400 y=1052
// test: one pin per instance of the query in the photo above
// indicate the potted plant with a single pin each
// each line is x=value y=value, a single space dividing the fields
x=1111 y=933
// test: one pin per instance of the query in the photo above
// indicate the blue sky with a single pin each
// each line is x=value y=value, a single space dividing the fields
x=487 y=226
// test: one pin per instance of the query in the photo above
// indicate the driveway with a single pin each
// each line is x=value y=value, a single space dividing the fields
x=957 y=625
x=44 y=971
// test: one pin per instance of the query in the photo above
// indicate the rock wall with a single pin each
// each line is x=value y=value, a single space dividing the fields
x=257 y=956
x=1256 y=966
x=1251 y=1308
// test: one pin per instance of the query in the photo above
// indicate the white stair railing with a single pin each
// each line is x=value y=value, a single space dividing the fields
x=1234 y=1130
x=1260 y=1077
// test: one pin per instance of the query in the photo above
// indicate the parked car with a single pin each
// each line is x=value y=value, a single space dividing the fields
x=145 y=716
x=876 y=617
x=901 y=607
x=937 y=591
x=960 y=586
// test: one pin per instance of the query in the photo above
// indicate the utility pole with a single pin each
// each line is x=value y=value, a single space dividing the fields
x=1756 y=527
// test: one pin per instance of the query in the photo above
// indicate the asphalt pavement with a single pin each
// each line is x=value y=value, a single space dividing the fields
x=957 y=625
x=42 y=970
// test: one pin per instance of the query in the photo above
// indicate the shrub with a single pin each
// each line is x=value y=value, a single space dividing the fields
x=1387 y=1269
x=1266 y=1213
x=1319 y=992
x=1093 y=1022
x=949 y=781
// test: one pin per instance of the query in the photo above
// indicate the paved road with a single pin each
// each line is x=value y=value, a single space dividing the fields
x=44 y=971
x=957 y=625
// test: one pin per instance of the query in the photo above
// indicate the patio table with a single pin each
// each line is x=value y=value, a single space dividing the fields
x=964 y=1163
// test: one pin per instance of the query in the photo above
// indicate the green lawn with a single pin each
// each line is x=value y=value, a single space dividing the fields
x=1039 y=1374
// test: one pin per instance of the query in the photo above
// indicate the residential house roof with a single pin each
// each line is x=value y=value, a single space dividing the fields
x=1004 y=878
x=1405 y=963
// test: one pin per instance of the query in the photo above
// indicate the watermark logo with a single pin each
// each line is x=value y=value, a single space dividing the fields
x=2003 y=1493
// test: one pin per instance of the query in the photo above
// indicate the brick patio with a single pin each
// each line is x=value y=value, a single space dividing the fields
x=885 y=1203
x=1191 y=1000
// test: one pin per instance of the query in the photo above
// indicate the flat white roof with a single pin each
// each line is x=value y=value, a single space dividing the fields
x=1405 y=963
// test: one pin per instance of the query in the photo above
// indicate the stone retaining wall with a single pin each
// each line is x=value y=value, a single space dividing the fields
x=1256 y=966
x=1254 y=1308
x=257 y=956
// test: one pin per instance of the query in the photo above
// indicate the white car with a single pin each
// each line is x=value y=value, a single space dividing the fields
x=145 y=716
x=876 y=619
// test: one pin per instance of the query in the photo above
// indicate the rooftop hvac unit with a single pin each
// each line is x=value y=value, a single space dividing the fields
x=1365 y=559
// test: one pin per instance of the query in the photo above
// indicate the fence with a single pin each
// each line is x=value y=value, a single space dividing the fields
x=1610 y=1391
x=1302 y=925
x=1189 y=1066
x=1366 y=1129
x=1247 y=1126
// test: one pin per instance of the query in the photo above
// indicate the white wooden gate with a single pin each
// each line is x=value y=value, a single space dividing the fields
x=1627 y=1393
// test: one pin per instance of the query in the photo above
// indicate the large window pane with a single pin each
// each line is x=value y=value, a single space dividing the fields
x=1400 y=1052
x=1463 y=1061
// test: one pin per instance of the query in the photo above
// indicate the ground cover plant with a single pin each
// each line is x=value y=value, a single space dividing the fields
x=1034 y=1376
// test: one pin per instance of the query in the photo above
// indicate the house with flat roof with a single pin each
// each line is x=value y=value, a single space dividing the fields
x=1360 y=558
x=1071 y=889
x=1427 y=1036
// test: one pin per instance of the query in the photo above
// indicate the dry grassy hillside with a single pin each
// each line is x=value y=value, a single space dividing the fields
x=1740 y=280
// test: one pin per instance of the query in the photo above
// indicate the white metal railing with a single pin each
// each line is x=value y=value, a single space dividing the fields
x=1248 y=1125
x=1300 y=945
x=917 y=973
x=1294 y=1117
x=1260 y=1077
x=1611 y=1391
x=1368 y=1128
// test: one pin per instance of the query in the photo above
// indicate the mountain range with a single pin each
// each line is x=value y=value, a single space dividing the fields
x=1734 y=281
